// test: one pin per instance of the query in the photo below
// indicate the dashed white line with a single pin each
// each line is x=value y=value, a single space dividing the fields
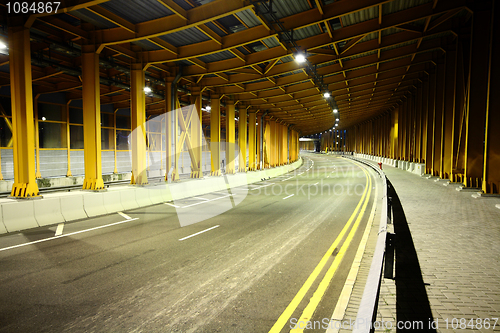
x=316 y=183
x=199 y=203
x=66 y=235
x=291 y=195
x=256 y=188
x=59 y=229
x=123 y=215
x=166 y=203
x=200 y=198
x=200 y=232
x=287 y=178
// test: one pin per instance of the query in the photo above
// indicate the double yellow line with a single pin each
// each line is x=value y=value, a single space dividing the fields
x=323 y=286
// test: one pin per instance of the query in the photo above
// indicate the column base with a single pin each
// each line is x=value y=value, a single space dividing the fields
x=230 y=172
x=38 y=175
x=215 y=173
x=23 y=190
x=242 y=169
x=175 y=176
x=196 y=174
x=93 y=184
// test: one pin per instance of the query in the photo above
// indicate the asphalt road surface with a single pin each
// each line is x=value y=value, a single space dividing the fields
x=261 y=258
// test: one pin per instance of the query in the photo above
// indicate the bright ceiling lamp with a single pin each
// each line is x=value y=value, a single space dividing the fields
x=326 y=94
x=147 y=90
x=208 y=108
x=300 y=58
x=3 y=46
x=335 y=110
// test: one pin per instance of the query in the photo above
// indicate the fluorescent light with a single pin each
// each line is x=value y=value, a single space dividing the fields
x=208 y=107
x=147 y=90
x=326 y=94
x=3 y=46
x=43 y=118
x=337 y=119
x=300 y=58
x=335 y=110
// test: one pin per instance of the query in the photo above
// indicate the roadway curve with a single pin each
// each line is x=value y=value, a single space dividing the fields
x=252 y=273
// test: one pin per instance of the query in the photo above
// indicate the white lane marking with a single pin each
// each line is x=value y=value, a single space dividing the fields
x=166 y=203
x=66 y=235
x=59 y=229
x=287 y=178
x=200 y=198
x=300 y=173
x=316 y=183
x=256 y=188
x=291 y=195
x=199 y=203
x=124 y=215
x=196 y=234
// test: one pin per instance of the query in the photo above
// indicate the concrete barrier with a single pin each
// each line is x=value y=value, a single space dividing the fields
x=419 y=169
x=112 y=201
x=155 y=193
x=3 y=230
x=19 y=215
x=127 y=198
x=48 y=211
x=93 y=203
x=72 y=206
x=142 y=196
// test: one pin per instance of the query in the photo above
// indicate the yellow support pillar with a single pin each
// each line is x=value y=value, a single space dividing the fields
x=267 y=144
x=138 y=120
x=215 y=135
x=91 y=119
x=242 y=139
x=491 y=171
x=196 y=132
x=230 y=137
x=25 y=185
x=252 y=165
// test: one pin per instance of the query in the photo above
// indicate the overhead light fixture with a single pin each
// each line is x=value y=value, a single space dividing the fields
x=3 y=46
x=208 y=107
x=337 y=119
x=335 y=110
x=43 y=118
x=326 y=94
x=300 y=58
x=147 y=90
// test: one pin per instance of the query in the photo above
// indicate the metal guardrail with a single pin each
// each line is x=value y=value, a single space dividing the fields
x=367 y=311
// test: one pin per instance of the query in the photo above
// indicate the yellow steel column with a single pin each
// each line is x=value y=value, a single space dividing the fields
x=260 y=144
x=242 y=140
x=68 y=140
x=37 y=140
x=91 y=119
x=230 y=137
x=431 y=114
x=284 y=150
x=138 y=120
x=449 y=130
x=168 y=126
x=394 y=134
x=215 y=135
x=196 y=132
x=267 y=144
x=478 y=88
x=438 y=120
x=272 y=145
x=491 y=169
x=252 y=141
x=22 y=114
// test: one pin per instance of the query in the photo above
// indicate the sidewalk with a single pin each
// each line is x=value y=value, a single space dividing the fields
x=457 y=242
